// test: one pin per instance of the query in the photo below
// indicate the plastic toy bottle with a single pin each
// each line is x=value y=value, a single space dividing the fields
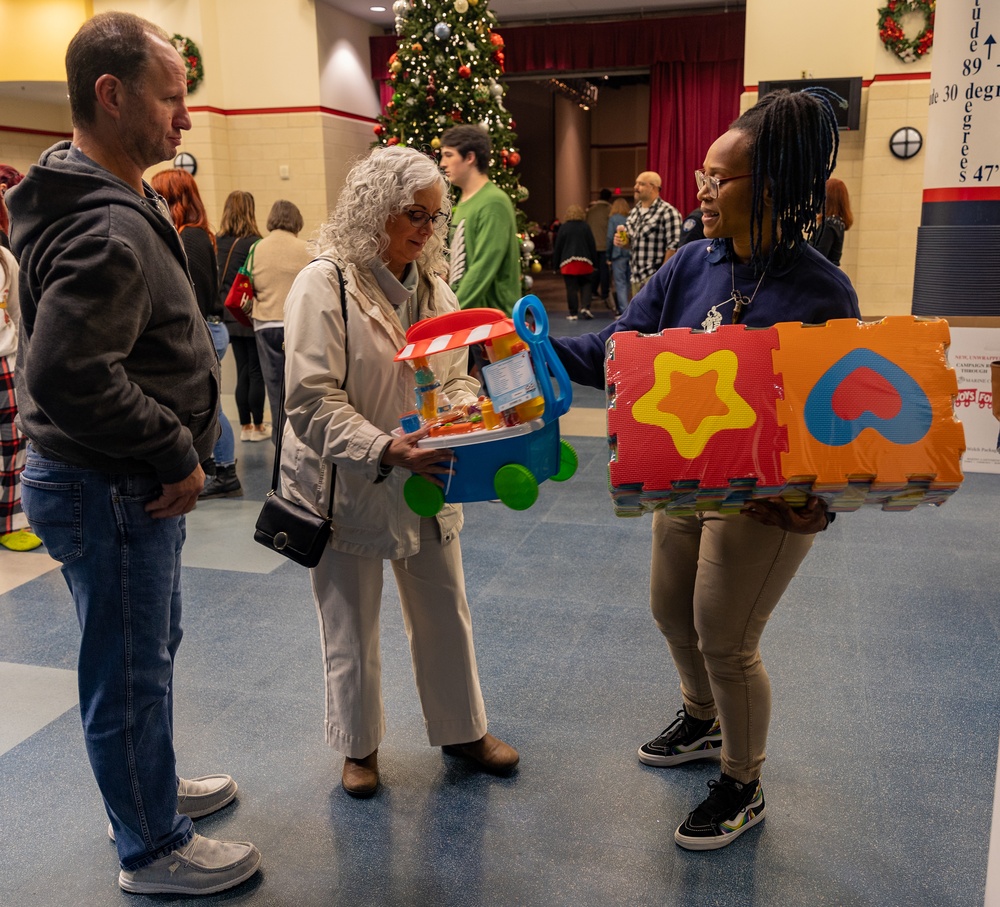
x=490 y=419
x=427 y=389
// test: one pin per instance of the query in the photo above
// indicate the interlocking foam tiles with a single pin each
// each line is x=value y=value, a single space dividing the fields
x=855 y=413
x=885 y=384
x=687 y=406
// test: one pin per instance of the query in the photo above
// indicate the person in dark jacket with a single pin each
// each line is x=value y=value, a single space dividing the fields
x=236 y=237
x=118 y=387
x=836 y=220
x=181 y=194
x=575 y=255
x=716 y=578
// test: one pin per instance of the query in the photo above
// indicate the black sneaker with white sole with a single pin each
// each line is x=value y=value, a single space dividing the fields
x=729 y=810
x=685 y=740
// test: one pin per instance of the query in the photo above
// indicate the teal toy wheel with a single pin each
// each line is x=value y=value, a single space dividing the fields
x=568 y=462
x=422 y=496
x=516 y=486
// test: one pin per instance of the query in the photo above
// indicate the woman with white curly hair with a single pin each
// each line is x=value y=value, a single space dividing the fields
x=345 y=395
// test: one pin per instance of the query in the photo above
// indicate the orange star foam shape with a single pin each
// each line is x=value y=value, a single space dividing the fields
x=700 y=394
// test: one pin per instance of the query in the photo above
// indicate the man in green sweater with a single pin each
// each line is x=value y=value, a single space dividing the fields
x=485 y=254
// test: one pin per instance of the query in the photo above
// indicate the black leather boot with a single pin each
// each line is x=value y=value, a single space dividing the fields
x=224 y=484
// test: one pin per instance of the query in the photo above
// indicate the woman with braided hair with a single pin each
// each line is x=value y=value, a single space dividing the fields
x=716 y=578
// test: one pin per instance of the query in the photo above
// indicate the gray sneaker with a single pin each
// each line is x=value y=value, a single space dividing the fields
x=198 y=797
x=202 y=866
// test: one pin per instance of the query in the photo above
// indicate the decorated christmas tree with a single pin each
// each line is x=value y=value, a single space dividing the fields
x=447 y=70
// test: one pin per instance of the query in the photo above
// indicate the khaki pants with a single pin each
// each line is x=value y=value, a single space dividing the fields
x=714 y=582
x=348 y=594
x=638 y=285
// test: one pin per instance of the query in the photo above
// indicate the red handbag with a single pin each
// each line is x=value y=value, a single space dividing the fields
x=239 y=299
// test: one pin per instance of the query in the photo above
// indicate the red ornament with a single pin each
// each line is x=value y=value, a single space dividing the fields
x=498 y=58
x=430 y=100
x=378 y=130
x=496 y=40
x=465 y=72
x=392 y=140
x=456 y=115
x=514 y=159
x=512 y=125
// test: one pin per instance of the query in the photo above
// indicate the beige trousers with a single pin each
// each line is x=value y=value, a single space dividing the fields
x=348 y=594
x=713 y=584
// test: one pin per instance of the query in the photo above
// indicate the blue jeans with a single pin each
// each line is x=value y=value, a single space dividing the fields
x=225 y=448
x=123 y=569
x=621 y=268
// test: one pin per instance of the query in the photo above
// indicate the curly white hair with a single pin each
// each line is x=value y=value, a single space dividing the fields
x=378 y=187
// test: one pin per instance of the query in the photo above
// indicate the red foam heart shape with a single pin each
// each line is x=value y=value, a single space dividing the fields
x=865 y=390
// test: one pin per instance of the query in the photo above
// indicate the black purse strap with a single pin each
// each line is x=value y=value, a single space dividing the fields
x=281 y=404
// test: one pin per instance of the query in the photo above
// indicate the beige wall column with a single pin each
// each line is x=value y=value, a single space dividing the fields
x=572 y=158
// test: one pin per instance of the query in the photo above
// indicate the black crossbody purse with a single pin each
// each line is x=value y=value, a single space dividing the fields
x=288 y=528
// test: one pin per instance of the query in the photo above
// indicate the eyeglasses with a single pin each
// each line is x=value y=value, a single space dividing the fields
x=714 y=182
x=421 y=219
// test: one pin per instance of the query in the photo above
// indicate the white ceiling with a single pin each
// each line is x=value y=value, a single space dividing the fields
x=508 y=11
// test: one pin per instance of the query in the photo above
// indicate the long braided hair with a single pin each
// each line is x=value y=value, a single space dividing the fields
x=793 y=142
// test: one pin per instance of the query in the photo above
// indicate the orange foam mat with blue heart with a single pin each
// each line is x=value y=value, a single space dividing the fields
x=857 y=413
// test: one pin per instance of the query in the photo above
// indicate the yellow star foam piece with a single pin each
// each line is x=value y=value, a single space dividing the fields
x=710 y=404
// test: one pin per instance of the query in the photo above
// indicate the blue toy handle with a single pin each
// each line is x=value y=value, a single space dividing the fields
x=544 y=357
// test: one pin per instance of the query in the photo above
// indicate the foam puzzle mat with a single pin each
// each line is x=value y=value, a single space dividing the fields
x=855 y=413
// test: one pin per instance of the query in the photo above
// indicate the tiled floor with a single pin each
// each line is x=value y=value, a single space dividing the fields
x=882 y=757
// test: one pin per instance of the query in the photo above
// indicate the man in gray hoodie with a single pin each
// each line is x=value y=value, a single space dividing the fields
x=118 y=388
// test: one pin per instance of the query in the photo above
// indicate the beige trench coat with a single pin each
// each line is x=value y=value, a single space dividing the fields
x=341 y=408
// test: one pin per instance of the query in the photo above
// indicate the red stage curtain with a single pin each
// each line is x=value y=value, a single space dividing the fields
x=696 y=77
x=690 y=106
x=605 y=46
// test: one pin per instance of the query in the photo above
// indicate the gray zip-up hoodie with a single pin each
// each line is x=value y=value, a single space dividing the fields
x=116 y=368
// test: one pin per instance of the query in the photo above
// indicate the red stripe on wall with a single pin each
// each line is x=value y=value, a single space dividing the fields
x=266 y=111
x=901 y=76
x=963 y=194
x=885 y=77
x=58 y=135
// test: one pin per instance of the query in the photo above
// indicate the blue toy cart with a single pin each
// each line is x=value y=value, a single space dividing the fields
x=507 y=463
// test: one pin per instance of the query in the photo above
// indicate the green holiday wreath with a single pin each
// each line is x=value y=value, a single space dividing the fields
x=891 y=33
x=192 y=60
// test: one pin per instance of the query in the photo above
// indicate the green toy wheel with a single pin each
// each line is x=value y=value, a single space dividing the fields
x=568 y=462
x=422 y=496
x=516 y=486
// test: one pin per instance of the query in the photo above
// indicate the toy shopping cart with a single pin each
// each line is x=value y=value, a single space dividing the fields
x=508 y=462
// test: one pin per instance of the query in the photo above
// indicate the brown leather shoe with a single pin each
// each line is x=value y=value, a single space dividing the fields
x=489 y=753
x=360 y=778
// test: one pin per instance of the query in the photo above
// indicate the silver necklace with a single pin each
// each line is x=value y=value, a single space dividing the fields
x=740 y=301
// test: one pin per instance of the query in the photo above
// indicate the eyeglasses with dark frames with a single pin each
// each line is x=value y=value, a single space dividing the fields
x=421 y=218
x=714 y=182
